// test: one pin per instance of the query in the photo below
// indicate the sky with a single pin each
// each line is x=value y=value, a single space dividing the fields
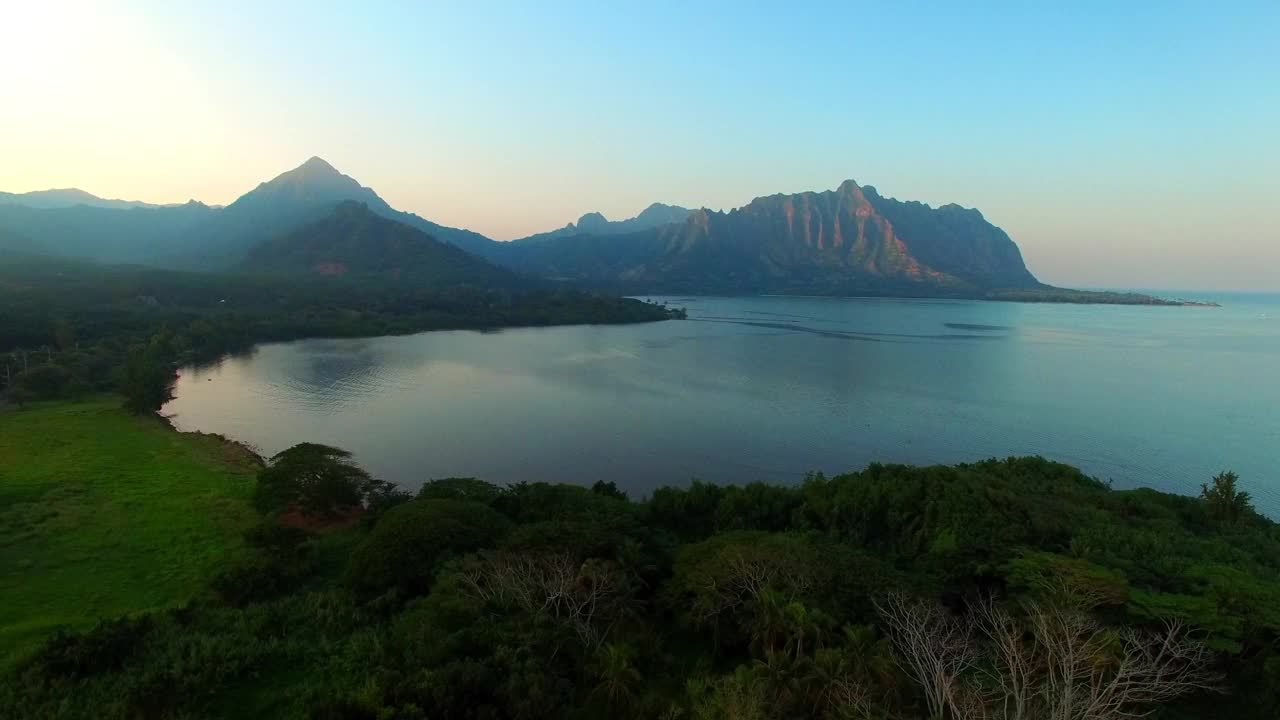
x=1128 y=144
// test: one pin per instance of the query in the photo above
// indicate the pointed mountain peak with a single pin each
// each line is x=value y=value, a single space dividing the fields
x=316 y=166
x=313 y=172
x=313 y=183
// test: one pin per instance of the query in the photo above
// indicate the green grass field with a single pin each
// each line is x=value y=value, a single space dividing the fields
x=104 y=514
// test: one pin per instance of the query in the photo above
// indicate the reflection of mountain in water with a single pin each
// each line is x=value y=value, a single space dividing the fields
x=327 y=375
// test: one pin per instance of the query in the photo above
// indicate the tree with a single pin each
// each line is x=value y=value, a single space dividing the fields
x=740 y=696
x=145 y=380
x=1226 y=503
x=317 y=480
x=589 y=597
x=935 y=648
x=460 y=488
x=408 y=545
x=735 y=570
x=1054 y=662
x=618 y=678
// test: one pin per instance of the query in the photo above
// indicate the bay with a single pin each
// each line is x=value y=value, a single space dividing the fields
x=769 y=388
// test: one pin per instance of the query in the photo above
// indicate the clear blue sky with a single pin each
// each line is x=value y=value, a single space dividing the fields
x=1119 y=143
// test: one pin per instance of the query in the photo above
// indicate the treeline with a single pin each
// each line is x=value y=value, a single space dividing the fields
x=1003 y=589
x=1048 y=294
x=68 y=327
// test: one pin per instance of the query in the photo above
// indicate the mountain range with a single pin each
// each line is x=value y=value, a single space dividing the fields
x=314 y=219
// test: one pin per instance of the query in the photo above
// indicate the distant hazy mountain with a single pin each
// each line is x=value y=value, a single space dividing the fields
x=65 y=198
x=196 y=236
x=846 y=241
x=353 y=241
x=135 y=235
x=593 y=223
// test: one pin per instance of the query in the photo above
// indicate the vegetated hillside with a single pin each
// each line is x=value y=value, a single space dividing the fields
x=894 y=592
x=353 y=241
x=70 y=327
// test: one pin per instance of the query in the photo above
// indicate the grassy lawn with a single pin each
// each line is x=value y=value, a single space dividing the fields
x=104 y=514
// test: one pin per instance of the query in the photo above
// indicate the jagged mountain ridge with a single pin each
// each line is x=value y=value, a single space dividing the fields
x=845 y=241
x=594 y=223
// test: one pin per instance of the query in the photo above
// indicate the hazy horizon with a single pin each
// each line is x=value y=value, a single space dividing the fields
x=1118 y=146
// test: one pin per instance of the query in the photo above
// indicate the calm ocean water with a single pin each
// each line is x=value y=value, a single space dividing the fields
x=770 y=388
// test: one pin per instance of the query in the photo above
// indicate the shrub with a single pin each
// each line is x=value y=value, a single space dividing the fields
x=105 y=648
x=460 y=488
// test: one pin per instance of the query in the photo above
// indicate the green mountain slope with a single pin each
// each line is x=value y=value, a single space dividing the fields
x=354 y=241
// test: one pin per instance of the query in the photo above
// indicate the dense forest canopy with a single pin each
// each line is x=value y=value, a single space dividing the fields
x=1011 y=588
x=68 y=327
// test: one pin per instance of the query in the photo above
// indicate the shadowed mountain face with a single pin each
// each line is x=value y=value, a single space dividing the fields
x=290 y=200
x=353 y=241
x=846 y=241
x=593 y=223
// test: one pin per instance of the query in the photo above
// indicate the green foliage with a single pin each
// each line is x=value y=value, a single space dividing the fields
x=1225 y=502
x=280 y=565
x=691 y=512
x=69 y=656
x=410 y=543
x=540 y=600
x=1050 y=576
x=126 y=328
x=317 y=480
x=460 y=489
x=146 y=378
x=46 y=382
